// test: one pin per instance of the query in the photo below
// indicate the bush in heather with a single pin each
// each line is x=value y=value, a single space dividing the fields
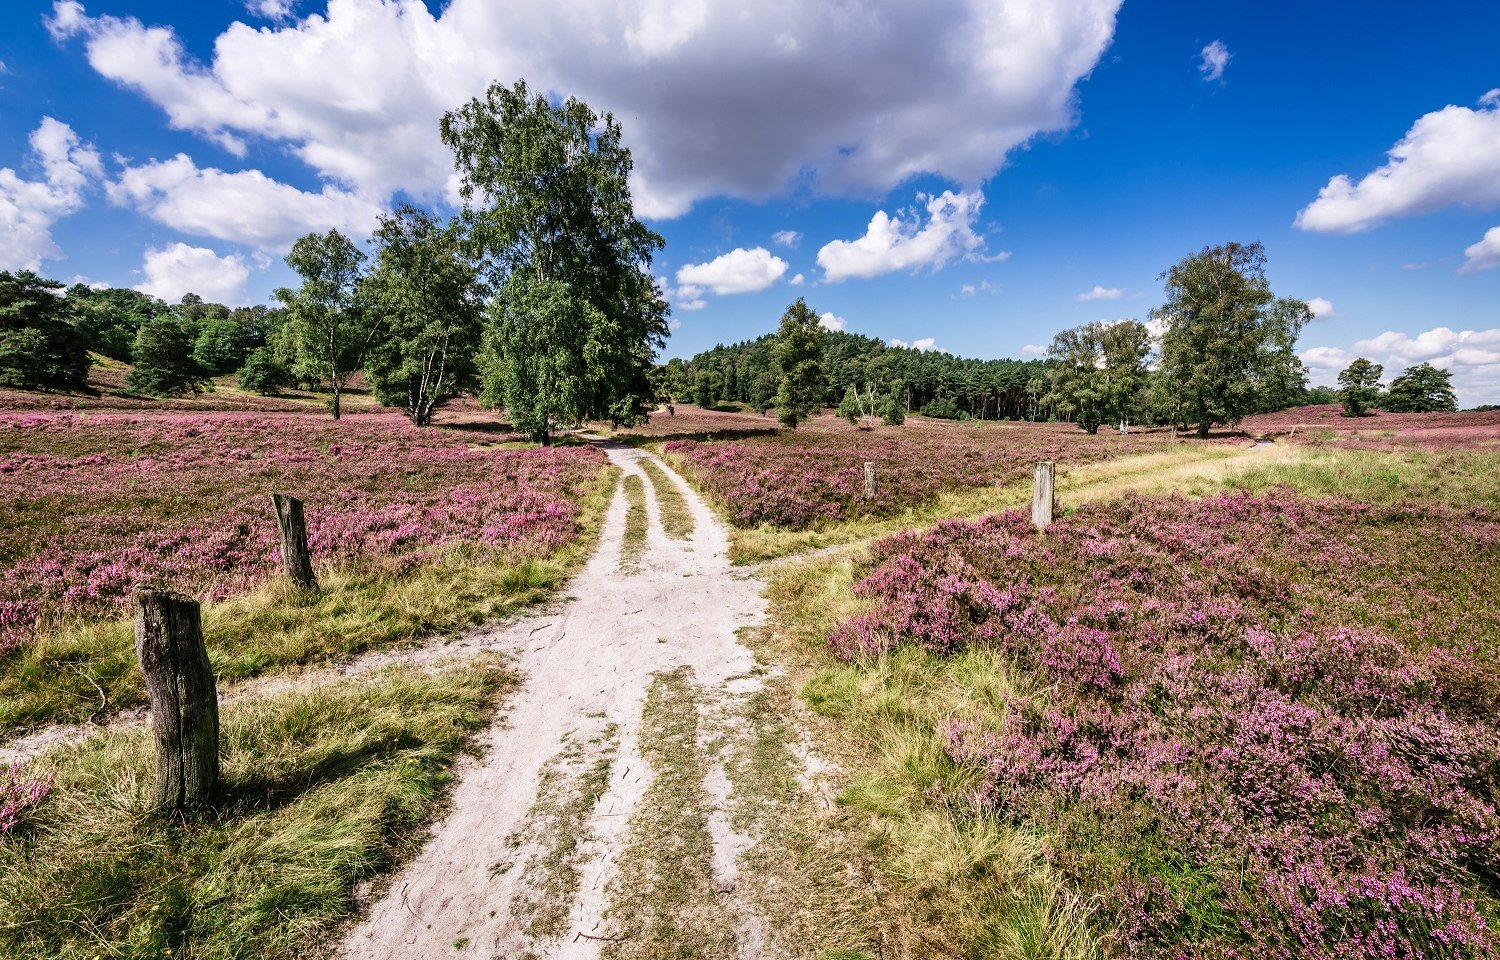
x=164 y=362
x=1250 y=725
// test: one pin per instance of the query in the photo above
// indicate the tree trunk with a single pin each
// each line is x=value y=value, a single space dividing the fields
x=1203 y=430
x=184 y=701
x=295 y=557
x=336 y=410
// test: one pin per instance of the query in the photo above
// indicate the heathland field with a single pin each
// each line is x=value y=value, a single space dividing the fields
x=1238 y=699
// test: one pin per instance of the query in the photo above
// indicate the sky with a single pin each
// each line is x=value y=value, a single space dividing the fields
x=954 y=174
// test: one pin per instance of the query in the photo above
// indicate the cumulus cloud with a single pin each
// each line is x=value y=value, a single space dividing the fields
x=905 y=242
x=1101 y=293
x=738 y=271
x=924 y=344
x=970 y=289
x=1320 y=307
x=947 y=88
x=1484 y=255
x=787 y=238
x=243 y=207
x=174 y=270
x=1472 y=356
x=29 y=208
x=1033 y=350
x=829 y=321
x=1449 y=157
x=797 y=281
x=1212 y=60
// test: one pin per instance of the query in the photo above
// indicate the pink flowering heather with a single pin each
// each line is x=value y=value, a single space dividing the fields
x=19 y=795
x=1257 y=726
x=810 y=477
x=96 y=503
x=1326 y=424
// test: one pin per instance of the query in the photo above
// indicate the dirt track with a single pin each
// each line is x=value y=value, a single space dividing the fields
x=491 y=880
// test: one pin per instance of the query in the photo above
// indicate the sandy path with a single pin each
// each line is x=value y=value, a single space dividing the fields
x=588 y=670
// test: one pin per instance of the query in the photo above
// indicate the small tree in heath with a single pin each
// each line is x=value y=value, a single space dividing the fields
x=1360 y=386
x=798 y=354
x=1421 y=389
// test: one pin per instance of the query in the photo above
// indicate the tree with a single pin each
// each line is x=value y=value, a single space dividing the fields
x=547 y=194
x=763 y=392
x=164 y=364
x=263 y=373
x=893 y=409
x=40 y=345
x=798 y=355
x=1421 y=389
x=849 y=408
x=1079 y=378
x=426 y=290
x=1223 y=335
x=1125 y=347
x=708 y=387
x=1360 y=386
x=329 y=327
x=1281 y=380
x=221 y=345
x=109 y=318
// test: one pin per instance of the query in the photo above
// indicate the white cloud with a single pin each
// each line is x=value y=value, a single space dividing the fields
x=1484 y=255
x=1212 y=60
x=738 y=271
x=829 y=321
x=947 y=88
x=1448 y=157
x=984 y=286
x=797 y=281
x=1033 y=350
x=271 y=9
x=244 y=207
x=29 y=208
x=1320 y=307
x=1101 y=293
x=904 y=242
x=1472 y=356
x=787 y=238
x=174 y=270
x=924 y=344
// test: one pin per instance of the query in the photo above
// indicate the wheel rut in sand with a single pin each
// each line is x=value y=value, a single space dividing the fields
x=603 y=765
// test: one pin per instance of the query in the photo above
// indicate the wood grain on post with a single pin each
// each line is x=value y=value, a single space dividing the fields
x=1043 y=494
x=184 y=700
x=869 y=479
x=294 y=553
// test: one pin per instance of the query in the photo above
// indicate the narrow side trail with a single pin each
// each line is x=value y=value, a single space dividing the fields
x=606 y=752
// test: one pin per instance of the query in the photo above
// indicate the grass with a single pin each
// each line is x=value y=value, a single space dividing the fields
x=676 y=517
x=322 y=790
x=633 y=546
x=949 y=885
x=1188 y=466
x=86 y=670
x=557 y=829
x=663 y=902
x=1456 y=478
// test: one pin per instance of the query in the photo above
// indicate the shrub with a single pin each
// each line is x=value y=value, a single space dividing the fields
x=263 y=374
x=164 y=364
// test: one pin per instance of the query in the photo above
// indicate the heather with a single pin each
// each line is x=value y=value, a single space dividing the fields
x=19 y=795
x=1325 y=424
x=807 y=479
x=1246 y=725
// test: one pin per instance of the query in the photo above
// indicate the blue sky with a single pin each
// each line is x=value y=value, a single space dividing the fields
x=1015 y=155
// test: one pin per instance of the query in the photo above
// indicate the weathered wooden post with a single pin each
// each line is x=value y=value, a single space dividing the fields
x=294 y=553
x=869 y=480
x=1043 y=494
x=184 y=700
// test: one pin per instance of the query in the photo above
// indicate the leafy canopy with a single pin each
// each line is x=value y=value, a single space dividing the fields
x=40 y=344
x=1360 y=383
x=547 y=195
x=328 y=325
x=1421 y=389
x=798 y=354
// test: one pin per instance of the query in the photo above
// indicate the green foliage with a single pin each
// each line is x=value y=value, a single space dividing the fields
x=40 y=345
x=943 y=408
x=1226 y=336
x=110 y=318
x=849 y=408
x=708 y=387
x=547 y=195
x=426 y=291
x=1360 y=383
x=164 y=363
x=1099 y=373
x=263 y=373
x=798 y=354
x=676 y=380
x=221 y=346
x=893 y=409
x=328 y=326
x=1421 y=389
x=763 y=392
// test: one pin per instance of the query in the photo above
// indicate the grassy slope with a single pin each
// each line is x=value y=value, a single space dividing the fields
x=88 y=669
x=975 y=887
x=321 y=791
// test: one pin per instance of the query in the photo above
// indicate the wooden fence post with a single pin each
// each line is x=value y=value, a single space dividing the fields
x=869 y=479
x=294 y=553
x=1043 y=494
x=184 y=700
